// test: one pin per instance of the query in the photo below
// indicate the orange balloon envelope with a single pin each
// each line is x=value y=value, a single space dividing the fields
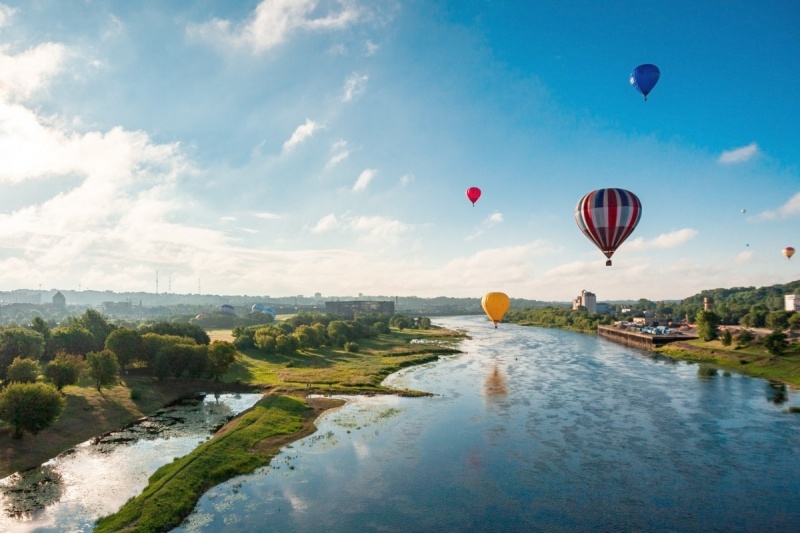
x=788 y=252
x=495 y=304
x=473 y=194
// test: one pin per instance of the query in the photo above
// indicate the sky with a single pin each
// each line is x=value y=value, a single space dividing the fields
x=289 y=147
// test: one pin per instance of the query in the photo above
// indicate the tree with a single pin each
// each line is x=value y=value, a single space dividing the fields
x=30 y=407
x=23 y=370
x=126 y=343
x=775 y=343
x=707 y=323
x=103 y=368
x=221 y=356
x=794 y=321
x=778 y=320
x=65 y=370
x=96 y=323
x=193 y=331
x=727 y=338
x=72 y=339
x=40 y=325
x=744 y=337
x=19 y=343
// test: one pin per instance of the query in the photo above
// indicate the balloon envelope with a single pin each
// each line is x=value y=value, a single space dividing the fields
x=473 y=194
x=788 y=252
x=644 y=78
x=495 y=304
x=607 y=217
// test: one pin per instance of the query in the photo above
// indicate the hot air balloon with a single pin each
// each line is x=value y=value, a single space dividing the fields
x=495 y=304
x=473 y=194
x=788 y=252
x=744 y=210
x=644 y=78
x=607 y=217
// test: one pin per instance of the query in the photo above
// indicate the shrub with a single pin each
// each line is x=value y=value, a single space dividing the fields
x=65 y=370
x=30 y=407
x=351 y=346
x=23 y=370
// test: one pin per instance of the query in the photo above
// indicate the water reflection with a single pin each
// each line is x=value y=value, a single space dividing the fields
x=496 y=383
x=69 y=492
x=777 y=393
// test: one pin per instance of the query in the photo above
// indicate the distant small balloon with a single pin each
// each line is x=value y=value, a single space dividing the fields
x=788 y=252
x=744 y=210
x=644 y=78
x=473 y=194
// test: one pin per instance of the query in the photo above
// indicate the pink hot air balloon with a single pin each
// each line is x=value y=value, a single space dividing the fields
x=788 y=252
x=607 y=217
x=473 y=194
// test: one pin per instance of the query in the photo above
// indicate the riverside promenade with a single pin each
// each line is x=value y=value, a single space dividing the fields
x=641 y=340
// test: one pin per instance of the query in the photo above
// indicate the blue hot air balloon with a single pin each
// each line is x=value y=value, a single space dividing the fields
x=644 y=78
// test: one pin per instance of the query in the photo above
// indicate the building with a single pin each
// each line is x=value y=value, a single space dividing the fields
x=59 y=300
x=708 y=303
x=349 y=308
x=791 y=302
x=603 y=307
x=586 y=299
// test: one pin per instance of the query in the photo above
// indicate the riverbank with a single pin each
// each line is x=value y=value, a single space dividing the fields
x=244 y=444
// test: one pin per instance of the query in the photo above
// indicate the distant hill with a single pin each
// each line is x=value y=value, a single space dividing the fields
x=733 y=303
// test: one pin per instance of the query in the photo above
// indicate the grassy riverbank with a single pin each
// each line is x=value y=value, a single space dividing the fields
x=751 y=360
x=244 y=444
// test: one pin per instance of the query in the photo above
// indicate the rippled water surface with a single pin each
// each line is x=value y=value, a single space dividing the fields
x=70 y=492
x=534 y=430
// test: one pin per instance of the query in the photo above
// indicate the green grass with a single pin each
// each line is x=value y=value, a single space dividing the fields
x=336 y=370
x=174 y=489
x=752 y=360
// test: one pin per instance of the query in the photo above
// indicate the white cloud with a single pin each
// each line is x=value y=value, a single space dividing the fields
x=273 y=21
x=23 y=74
x=739 y=155
x=364 y=179
x=326 y=224
x=267 y=215
x=406 y=180
x=494 y=218
x=745 y=256
x=6 y=13
x=354 y=86
x=790 y=209
x=340 y=153
x=378 y=229
x=370 y=48
x=670 y=240
x=301 y=133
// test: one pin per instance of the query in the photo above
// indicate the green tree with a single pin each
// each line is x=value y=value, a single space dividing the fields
x=775 y=343
x=23 y=370
x=707 y=323
x=193 y=331
x=65 y=370
x=103 y=368
x=19 y=343
x=727 y=338
x=221 y=356
x=40 y=325
x=72 y=339
x=794 y=321
x=778 y=320
x=744 y=337
x=96 y=323
x=126 y=343
x=30 y=407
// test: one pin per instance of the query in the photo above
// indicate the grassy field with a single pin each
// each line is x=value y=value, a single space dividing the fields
x=751 y=360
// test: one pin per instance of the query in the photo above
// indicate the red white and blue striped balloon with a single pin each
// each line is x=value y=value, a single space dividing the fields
x=607 y=217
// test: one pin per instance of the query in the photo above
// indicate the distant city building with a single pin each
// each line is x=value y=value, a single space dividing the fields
x=59 y=300
x=603 y=307
x=708 y=303
x=117 y=308
x=349 y=308
x=792 y=302
x=586 y=299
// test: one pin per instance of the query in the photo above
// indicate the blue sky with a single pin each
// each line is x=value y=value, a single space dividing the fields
x=287 y=147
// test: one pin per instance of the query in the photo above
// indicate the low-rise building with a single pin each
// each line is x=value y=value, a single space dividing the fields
x=586 y=299
x=791 y=302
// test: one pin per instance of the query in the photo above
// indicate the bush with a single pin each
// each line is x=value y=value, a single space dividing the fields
x=23 y=370
x=30 y=407
x=351 y=346
x=727 y=338
x=103 y=368
x=65 y=370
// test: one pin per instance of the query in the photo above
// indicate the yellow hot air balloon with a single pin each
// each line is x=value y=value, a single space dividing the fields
x=788 y=252
x=495 y=304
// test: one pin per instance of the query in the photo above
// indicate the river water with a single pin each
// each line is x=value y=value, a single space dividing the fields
x=534 y=430
x=70 y=492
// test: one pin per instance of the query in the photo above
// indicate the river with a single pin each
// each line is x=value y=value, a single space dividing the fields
x=534 y=430
x=70 y=492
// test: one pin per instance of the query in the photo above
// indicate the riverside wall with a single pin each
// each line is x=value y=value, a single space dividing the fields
x=632 y=338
